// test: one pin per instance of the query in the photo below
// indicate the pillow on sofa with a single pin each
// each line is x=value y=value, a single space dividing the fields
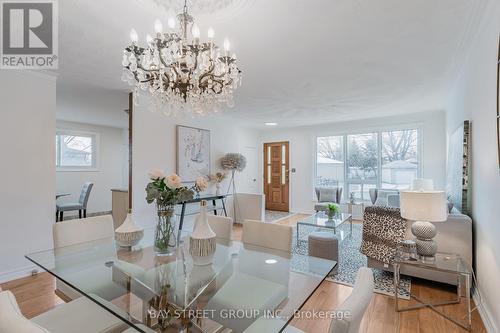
x=382 y=197
x=450 y=206
x=327 y=194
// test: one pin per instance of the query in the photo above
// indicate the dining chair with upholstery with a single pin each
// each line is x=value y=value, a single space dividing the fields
x=355 y=305
x=221 y=225
x=78 y=316
x=267 y=235
x=353 y=308
x=80 y=206
x=72 y=232
x=263 y=289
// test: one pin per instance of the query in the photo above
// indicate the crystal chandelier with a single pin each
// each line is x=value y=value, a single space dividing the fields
x=183 y=74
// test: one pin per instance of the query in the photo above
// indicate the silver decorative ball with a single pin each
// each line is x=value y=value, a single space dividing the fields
x=426 y=248
x=423 y=230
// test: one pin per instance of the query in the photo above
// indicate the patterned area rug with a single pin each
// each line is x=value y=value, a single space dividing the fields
x=274 y=215
x=350 y=260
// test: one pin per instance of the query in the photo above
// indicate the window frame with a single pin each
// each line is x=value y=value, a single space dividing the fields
x=378 y=130
x=95 y=151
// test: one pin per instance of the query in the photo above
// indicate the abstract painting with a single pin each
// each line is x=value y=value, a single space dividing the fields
x=193 y=153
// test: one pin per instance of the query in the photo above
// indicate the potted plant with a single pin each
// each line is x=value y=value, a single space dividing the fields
x=332 y=209
x=165 y=192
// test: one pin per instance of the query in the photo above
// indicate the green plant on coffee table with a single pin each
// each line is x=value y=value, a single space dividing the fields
x=332 y=209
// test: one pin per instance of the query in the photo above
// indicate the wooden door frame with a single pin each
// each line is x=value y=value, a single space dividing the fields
x=264 y=159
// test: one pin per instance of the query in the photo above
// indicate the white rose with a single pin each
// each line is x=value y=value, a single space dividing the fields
x=201 y=183
x=173 y=181
x=156 y=174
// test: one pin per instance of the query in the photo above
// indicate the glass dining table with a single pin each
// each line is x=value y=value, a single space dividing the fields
x=244 y=283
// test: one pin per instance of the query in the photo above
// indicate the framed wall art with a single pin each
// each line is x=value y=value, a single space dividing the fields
x=193 y=153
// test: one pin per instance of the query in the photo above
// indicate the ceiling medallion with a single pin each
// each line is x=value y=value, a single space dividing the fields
x=182 y=74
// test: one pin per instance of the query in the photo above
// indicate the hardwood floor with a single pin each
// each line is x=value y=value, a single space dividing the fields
x=35 y=295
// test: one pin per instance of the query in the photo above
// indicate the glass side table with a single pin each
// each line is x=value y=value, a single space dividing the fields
x=443 y=262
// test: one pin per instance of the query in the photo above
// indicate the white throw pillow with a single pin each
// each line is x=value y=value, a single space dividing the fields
x=327 y=195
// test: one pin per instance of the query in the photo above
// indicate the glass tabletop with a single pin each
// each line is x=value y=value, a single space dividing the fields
x=445 y=262
x=322 y=220
x=144 y=289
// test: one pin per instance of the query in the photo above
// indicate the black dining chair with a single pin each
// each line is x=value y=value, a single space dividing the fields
x=80 y=206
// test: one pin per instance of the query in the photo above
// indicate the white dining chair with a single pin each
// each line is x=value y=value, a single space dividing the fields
x=355 y=305
x=221 y=225
x=259 y=288
x=353 y=308
x=78 y=316
x=91 y=278
x=268 y=235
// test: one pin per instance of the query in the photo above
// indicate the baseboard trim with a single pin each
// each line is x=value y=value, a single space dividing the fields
x=18 y=273
x=484 y=313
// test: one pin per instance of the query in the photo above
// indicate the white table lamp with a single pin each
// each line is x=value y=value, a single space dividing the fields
x=422 y=184
x=424 y=207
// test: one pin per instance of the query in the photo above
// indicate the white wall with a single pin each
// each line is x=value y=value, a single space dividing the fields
x=27 y=206
x=154 y=146
x=110 y=168
x=303 y=143
x=92 y=105
x=474 y=98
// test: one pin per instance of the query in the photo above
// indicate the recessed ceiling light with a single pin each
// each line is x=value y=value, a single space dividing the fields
x=271 y=124
x=271 y=261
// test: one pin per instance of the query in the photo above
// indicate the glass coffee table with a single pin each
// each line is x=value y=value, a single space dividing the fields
x=321 y=220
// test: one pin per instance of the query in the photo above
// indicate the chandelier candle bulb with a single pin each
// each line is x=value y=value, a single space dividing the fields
x=134 y=37
x=171 y=23
x=158 y=27
x=227 y=45
x=149 y=39
x=211 y=33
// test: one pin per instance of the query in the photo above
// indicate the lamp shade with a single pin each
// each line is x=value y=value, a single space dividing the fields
x=422 y=184
x=428 y=206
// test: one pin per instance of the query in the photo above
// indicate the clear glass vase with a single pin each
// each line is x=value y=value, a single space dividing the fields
x=165 y=236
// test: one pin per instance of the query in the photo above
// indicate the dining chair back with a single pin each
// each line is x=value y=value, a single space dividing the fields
x=82 y=230
x=355 y=305
x=85 y=194
x=221 y=225
x=78 y=316
x=268 y=235
x=11 y=318
x=72 y=232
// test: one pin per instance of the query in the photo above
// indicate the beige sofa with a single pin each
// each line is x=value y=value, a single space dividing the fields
x=454 y=236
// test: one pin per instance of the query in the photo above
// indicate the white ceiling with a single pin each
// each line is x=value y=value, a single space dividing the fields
x=303 y=61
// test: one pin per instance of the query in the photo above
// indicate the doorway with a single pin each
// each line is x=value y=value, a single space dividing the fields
x=276 y=175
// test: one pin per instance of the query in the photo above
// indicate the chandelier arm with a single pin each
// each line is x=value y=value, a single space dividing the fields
x=166 y=83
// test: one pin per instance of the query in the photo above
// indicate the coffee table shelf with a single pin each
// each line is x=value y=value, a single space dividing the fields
x=321 y=220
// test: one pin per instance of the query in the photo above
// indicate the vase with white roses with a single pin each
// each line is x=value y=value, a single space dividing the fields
x=165 y=192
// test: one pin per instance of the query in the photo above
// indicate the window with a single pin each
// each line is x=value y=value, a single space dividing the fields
x=361 y=161
x=399 y=158
x=76 y=150
x=330 y=161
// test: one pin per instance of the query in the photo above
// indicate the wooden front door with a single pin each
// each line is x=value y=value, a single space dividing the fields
x=276 y=182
